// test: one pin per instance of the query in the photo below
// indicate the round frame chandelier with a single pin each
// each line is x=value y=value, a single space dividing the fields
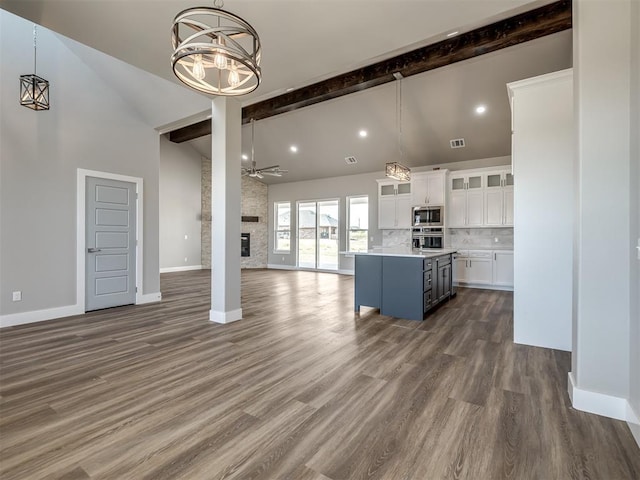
x=215 y=52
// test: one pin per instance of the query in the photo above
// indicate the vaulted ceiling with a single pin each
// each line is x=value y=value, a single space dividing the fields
x=305 y=41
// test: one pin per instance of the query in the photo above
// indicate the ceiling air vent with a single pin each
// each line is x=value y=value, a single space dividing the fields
x=350 y=160
x=457 y=143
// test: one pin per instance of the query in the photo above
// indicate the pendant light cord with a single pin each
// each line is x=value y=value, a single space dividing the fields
x=35 y=51
x=399 y=115
x=253 y=160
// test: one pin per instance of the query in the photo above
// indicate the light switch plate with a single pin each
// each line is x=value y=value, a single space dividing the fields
x=17 y=296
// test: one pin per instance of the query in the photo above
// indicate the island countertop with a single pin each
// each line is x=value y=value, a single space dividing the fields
x=405 y=252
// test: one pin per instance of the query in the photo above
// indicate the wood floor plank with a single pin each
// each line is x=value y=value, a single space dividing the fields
x=302 y=388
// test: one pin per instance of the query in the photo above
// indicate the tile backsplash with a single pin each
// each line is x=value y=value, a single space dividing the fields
x=396 y=238
x=481 y=238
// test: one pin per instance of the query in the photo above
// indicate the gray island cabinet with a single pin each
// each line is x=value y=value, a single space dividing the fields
x=402 y=283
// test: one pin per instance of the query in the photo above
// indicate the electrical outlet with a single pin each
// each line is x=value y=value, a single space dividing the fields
x=185 y=259
x=496 y=239
x=283 y=259
x=17 y=296
x=186 y=237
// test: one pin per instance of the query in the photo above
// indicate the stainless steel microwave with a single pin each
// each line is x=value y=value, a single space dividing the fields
x=432 y=216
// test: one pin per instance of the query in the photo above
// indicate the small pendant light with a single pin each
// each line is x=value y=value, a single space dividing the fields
x=34 y=90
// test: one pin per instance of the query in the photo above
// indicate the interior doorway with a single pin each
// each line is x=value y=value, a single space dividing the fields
x=112 y=191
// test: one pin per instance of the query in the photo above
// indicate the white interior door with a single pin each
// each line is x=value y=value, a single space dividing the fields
x=111 y=243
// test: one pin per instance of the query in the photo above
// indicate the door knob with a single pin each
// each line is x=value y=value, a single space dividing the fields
x=94 y=250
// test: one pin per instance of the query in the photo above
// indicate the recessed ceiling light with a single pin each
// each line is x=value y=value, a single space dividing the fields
x=363 y=133
x=293 y=148
x=245 y=156
x=452 y=34
x=480 y=109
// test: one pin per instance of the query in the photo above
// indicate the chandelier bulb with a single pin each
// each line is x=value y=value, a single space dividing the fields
x=198 y=67
x=219 y=60
x=234 y=77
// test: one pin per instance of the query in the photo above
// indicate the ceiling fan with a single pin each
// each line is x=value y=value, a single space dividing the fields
x=273 y=171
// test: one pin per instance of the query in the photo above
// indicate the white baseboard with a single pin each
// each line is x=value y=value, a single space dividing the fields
x=281 y=267
x=33 y=316
x=291 y=267
x=483 y=286
x=598 y=403
x=186 y=268
x=225 y=317
x=148 y=298
x=633 y=420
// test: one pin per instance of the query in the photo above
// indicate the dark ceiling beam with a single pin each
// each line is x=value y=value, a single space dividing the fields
x=546 y=20
x=190 y=132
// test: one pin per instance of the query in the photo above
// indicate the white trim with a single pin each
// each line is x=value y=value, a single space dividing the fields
x=148 y=298
x=180 y=269
x=633 y=420
x=485 y=286
x=596 y=402
x=303 y=269
x=225 y=317
x=80 y=231
x=566 y=74
x=281 y=267
x=21 y=318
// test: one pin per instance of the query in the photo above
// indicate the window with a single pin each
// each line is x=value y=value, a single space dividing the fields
x=282 y=222
x=358 y=218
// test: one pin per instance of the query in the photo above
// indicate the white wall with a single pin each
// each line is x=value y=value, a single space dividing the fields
x=634 y=178
x=180 y=197
x=604 y=366
x=341 y=188
x=326 y=188
x=543 y=159
x=89 y=126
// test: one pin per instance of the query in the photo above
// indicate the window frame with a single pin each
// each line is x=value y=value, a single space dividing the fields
x=348 y=225
x=276 y=226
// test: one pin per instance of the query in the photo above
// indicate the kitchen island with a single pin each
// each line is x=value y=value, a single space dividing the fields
x=402 y=282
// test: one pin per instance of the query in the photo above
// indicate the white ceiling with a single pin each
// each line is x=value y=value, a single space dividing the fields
x=308 y=40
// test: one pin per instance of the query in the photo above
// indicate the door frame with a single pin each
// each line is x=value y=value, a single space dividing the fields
x=81 y=240
x=316 y=201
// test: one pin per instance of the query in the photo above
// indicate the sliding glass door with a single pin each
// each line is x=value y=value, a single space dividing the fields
x=318 y=234
x=307 y=234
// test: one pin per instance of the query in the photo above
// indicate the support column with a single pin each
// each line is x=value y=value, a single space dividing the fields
x=601 y=361
x=225 y=210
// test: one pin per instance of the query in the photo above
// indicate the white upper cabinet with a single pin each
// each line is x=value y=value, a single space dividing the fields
x=394 y=204
x=428 y=188
x=498 y=199
x=466 y=205
x=480 y=198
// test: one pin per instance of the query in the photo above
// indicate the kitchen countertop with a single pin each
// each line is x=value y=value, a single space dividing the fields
x=404 y=252
x=470 y=247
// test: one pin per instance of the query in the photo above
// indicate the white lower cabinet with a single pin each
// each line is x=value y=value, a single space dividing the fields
x=503 y=268
x=484 y=268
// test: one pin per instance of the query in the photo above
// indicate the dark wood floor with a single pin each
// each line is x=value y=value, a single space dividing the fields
x=300 y=389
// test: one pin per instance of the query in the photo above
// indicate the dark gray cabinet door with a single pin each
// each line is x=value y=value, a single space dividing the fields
x=402 y=287
x=368 y=281
x=444 y=282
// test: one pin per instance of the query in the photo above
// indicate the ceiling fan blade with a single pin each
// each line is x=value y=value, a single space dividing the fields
x=259 y=175
x=272 y=167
